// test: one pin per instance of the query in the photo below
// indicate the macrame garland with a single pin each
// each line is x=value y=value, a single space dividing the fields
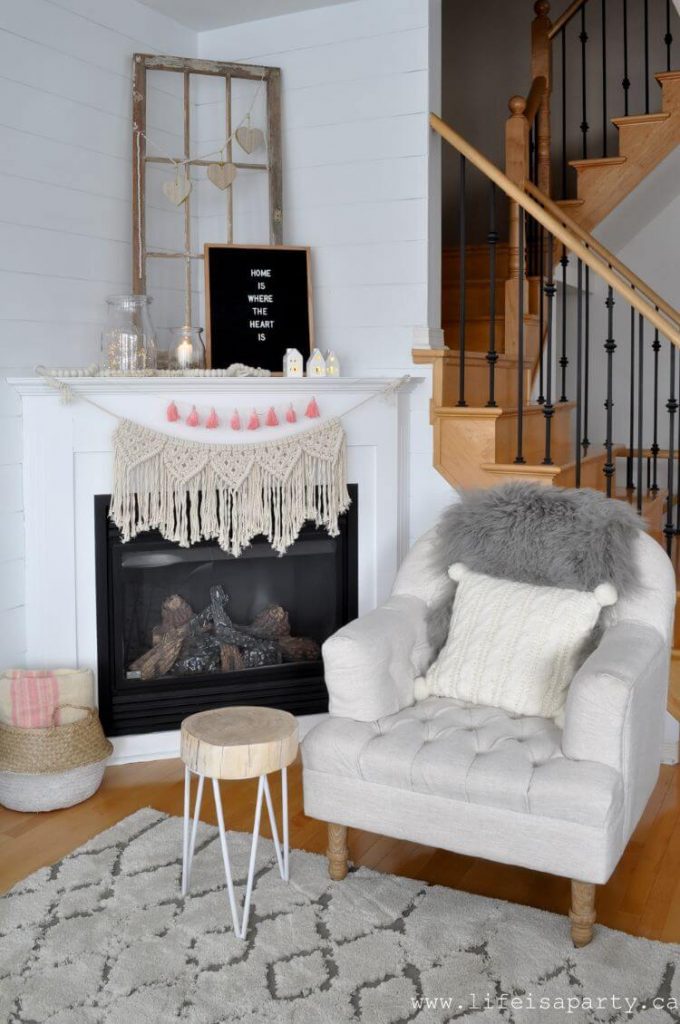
x=231 y=493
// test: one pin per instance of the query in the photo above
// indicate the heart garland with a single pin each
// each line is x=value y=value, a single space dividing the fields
x=221 y=174
x=249 y=139
x=253 y=420
x=178 y=190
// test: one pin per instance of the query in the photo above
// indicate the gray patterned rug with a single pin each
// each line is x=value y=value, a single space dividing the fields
x=104 y=937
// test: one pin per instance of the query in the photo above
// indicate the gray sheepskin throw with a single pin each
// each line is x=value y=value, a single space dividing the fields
x=548 y=536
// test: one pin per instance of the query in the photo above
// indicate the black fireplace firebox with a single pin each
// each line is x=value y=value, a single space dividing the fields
x=185 y=629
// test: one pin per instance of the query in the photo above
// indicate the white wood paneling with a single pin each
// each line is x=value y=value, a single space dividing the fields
x=64 y=215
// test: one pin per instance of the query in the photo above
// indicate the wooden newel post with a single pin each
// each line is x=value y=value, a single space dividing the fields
x=517 y=169
x=541 y=66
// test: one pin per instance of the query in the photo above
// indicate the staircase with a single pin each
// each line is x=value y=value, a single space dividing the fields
x=500 y=407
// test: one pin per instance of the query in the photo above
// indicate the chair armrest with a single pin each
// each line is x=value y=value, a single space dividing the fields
x=615 y=709
x=371 y=663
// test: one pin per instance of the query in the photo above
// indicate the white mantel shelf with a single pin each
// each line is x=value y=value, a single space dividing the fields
x=102 y=386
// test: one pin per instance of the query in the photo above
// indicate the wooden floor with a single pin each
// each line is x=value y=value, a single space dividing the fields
x=642 y=897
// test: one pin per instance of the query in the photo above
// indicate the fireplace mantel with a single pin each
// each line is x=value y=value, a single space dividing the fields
x=68 y=461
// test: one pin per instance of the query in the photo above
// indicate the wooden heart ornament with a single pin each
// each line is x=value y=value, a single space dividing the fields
x=249 y=139
x=221 y=175
x=177 y=191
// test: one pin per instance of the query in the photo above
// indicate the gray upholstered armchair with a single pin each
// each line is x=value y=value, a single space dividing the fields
x=476 y=780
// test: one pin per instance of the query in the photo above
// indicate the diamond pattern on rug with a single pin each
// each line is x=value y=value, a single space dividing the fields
x=104 y=937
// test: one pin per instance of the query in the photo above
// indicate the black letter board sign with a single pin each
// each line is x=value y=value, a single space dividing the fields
x=258 y=303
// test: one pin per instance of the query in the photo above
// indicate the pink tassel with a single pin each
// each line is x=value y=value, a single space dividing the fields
x=172 y=413
x=212 y=420
x=235 y=421
x=272 y=419
x=312 y=410
x=254 y=421
x=290 y=414
x=192 y=418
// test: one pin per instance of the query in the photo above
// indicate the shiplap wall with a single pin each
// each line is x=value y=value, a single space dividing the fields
x=361 y=185
x=65 y=81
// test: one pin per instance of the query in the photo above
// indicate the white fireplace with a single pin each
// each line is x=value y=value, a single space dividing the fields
x=68 y=461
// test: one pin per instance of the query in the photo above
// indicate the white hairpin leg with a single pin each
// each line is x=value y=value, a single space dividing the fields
x=185 y=832
x=225 y=856
x=253 y=854
x=284 y=815
x=272 y=822
x=186 y=872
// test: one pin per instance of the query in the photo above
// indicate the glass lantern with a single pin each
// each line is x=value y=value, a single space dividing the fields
x=128 y=341
x=187 y=351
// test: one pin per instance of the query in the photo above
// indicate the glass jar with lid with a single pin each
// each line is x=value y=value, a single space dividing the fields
x=128 y=342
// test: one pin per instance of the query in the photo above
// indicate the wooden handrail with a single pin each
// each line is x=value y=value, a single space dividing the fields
x=629 y=275
x=566 y=17
x=536 y=94
x=568 y=238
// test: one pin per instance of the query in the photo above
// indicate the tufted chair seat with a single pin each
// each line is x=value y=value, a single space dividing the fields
x=474 y=779
x=480 y=755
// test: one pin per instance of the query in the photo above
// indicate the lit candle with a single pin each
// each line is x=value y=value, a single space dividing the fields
x=184 y=352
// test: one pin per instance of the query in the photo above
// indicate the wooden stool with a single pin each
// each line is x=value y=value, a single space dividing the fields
x=237 y=743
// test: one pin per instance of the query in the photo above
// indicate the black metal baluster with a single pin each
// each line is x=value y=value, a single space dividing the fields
x=541 y=315
x=656 y=347
x=548 y=408
x=672 y=407
x=646 y=36
x=586 y=364
x=583 y=36
x=519 y=458
x=677 y=475
x=604 y=78
x=461 y=300
x=626 y=80
x=579 y=358
x=641 y=363
x=492 y=238
x=610 y=348
x=564 y=361
x=631 y=410
x=668 y=38
x=564 y=113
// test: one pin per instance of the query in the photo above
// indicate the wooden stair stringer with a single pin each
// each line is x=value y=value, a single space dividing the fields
x=644 y=141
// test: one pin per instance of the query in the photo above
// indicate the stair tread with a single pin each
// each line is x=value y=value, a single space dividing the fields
x=570 y=202
x=598 y=161
x=640 y=119
x=666 y=76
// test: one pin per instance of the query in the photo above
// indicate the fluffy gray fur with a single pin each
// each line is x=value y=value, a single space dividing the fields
x=548 y=536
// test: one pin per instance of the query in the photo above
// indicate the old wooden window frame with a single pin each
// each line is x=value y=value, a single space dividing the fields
x=187 y=66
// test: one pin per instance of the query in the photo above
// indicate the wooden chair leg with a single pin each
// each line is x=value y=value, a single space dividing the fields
x=582 y=912
x=337 y=851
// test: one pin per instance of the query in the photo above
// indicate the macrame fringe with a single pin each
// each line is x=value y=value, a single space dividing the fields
x=190 y=491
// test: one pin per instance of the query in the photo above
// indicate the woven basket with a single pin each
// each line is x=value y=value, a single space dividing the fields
x=23 y=792
x=56 y=749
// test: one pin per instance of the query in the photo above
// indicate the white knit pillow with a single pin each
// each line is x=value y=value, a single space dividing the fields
x=513 y=645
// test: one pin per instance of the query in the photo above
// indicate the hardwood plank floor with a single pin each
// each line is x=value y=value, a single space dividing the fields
x=642 y=897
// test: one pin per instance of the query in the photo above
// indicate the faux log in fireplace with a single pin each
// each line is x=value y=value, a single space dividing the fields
x=184 y=629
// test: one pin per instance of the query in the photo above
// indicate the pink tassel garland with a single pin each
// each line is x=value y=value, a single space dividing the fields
x=212 y=421
x=312 y=410
x=235 y=421
x=192 y=418
x=272 y=419
x=290 y=414
x=172 y=413
x=254 y=421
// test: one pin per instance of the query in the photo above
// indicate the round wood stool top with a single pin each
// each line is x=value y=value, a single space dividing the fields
x=238 y=743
